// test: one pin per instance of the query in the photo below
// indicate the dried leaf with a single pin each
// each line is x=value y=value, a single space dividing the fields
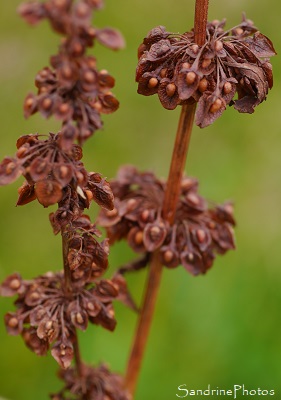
x=111 y=38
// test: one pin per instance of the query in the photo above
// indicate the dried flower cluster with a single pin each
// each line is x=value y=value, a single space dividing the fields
x=51 y=168
x=95 y=384
x=73 y=89
x=179 y=71
x=47 y=314
x=196 y=235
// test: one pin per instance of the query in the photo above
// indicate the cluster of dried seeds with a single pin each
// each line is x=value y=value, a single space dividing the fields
x=73 y=89
x=232 y=61
x=52 y=168
x=197 y=234
x=94 y=384
x=47 y=314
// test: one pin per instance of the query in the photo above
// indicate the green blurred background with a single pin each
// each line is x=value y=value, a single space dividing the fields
x=220 y=329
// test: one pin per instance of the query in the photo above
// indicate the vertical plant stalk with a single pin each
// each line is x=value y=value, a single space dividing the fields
x=169 y=208
x=68 y=290
x=66 y=268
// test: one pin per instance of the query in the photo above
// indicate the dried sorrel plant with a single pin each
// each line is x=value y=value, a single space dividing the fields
x=167 y=222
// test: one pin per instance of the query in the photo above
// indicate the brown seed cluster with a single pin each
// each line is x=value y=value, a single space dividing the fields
x=198 y=232
x=231 y=61
x=73 y=89
x=53 y=171
x=94 y=384
x=47 y=315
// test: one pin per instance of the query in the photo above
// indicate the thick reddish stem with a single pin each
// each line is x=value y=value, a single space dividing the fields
x=169 y=208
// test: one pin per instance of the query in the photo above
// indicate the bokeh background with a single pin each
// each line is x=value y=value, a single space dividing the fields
x=220 y=329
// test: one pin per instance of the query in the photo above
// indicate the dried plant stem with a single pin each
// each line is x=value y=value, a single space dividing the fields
x=68 y=290
x=67 y=272
x=156 y=268
x=200 y=21
x=169 y=208
x=77 y=356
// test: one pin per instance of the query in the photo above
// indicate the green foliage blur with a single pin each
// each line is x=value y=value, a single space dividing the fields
x=221 y=329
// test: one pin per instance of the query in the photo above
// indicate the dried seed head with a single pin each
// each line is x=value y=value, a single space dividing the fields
x=15 y=284
x=139 y=237
x=153 y=82
x=216 y=106
x=195 y=48
x=203 y=85
x=186 y=65
x=46 y=103
x=89 y=76
x=218 y=45
x=227 y=87
x=171 y=89
x=206 y=62
x=168 y=256
x=190 y=77
x=201 y=235
x=13 y=322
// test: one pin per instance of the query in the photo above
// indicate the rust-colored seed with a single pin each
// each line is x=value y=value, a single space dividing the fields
x=163 y=72
x=66 y=71
x=168 y=256
x=193 y=198
x=77 y=48
x=186 y=65
x=62 y=352
x=89 y=76
x=43 y=89
x=79 y=318
x=90 y=306
x=131 y=204
x=153 y=82
x=195 y=48
x=21 y=151
x=64 y=108
x=43 y=73
x=206 y=62
x=29 y=102
x=201 y=235
x=215 y=22
x=79 y=176
x=63 y=171
x=218 y=45
x=34 y=296
x=190 y=77
x=91 y=31
x=82 y=10
x=216 y=106
x=10 y=167
x=47 y=103
x=60 y=3
x=211 y=225
x=49 y=325
x=154 y=232
x=145 y=215
x=203 y=85
x=103 y=72
x=112 y=213
x=170 y=89
x=238 y=31
x=227 y=87
x=190 y=256
x=138 y=237
x=13 y=322
x=89 y=195
x=14 y=284
x=97 y=106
